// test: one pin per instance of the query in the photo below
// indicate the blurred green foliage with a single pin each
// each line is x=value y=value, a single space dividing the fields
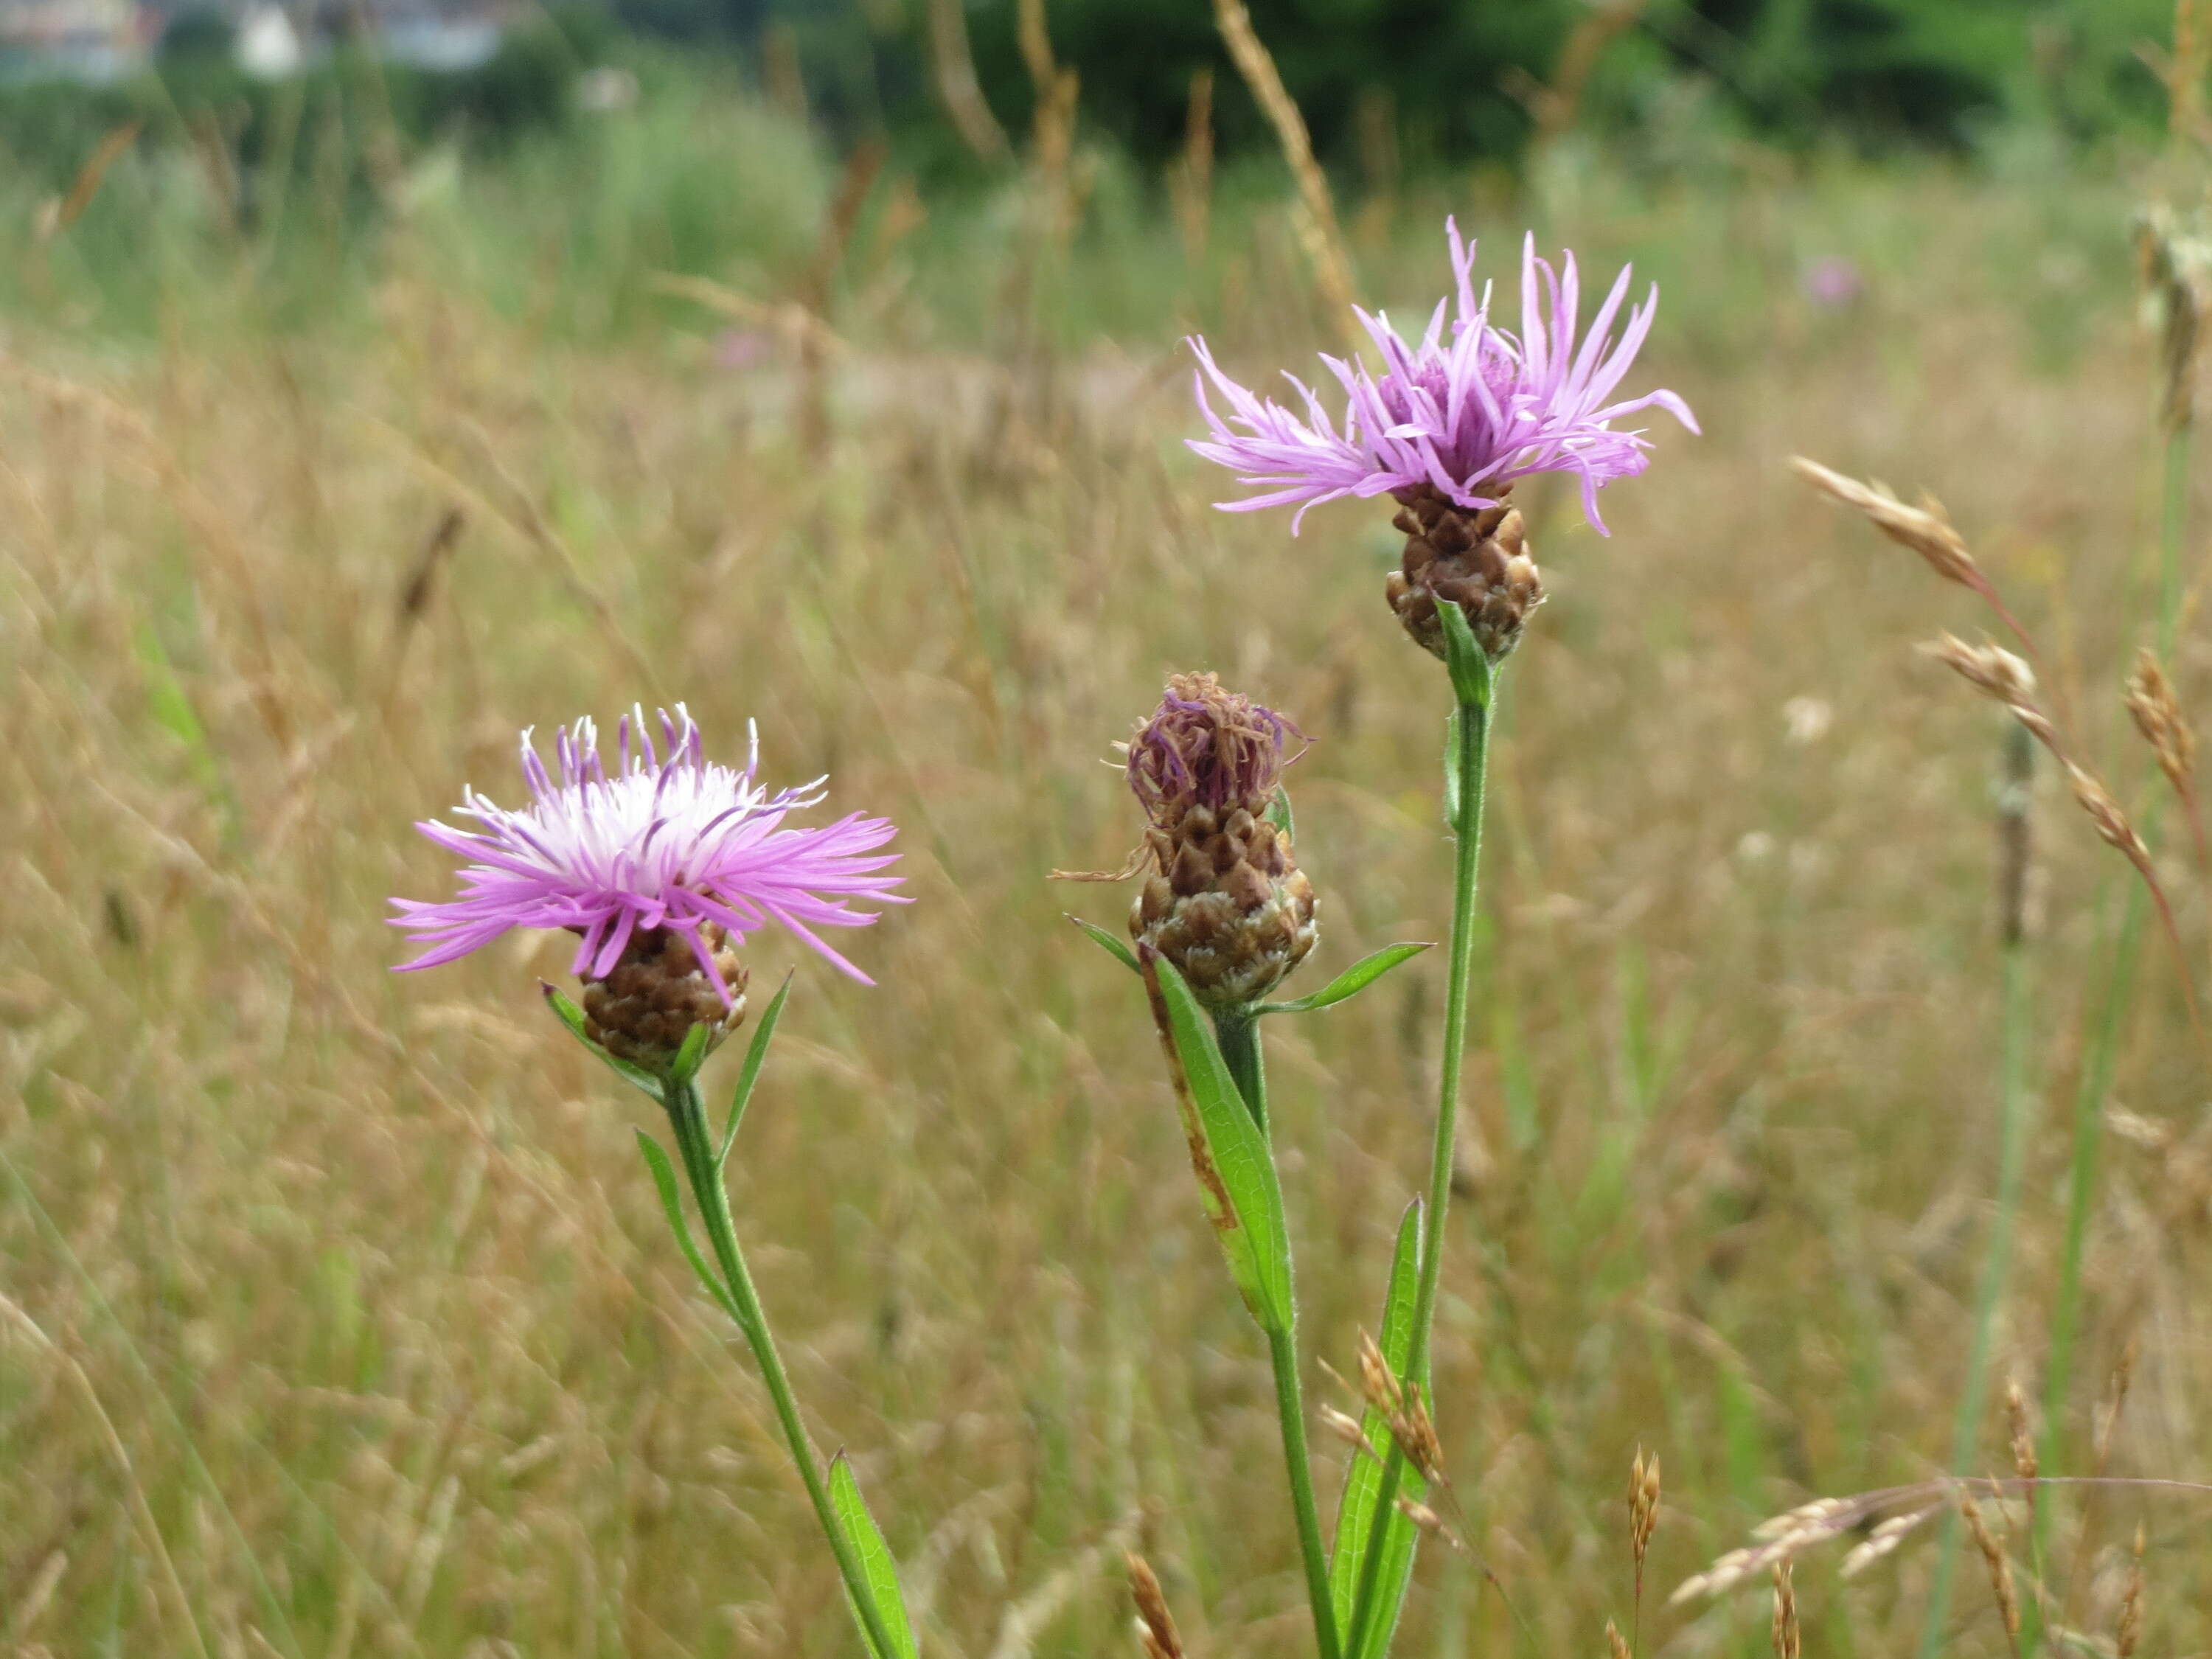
x=1454 y=77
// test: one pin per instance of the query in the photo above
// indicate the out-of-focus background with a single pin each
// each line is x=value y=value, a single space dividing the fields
x=378 y=378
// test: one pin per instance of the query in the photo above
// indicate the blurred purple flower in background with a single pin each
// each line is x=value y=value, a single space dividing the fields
x=1462 y=412
x=667 y=840
x=1832 y=283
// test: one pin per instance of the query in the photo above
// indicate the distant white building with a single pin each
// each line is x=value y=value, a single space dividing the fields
x=92 y=41
x=268 y=45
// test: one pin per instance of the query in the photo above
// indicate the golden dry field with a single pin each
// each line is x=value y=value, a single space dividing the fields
x=340 y=1316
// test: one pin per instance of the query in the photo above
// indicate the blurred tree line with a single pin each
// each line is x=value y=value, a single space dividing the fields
x=1425 y=81
x=1460 y=79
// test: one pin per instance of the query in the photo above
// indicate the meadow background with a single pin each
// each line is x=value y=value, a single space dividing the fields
x=345 y=431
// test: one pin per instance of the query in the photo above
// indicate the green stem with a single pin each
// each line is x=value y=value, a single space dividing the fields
x=2018 y=1101
x=1469 y=763
x=1290 y=1407
x=1238 y=1033
x=688 y=1113
x=2103 y=1058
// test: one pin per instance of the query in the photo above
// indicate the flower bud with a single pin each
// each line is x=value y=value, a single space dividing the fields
x=1224 y=900
x=645 y=1005
x=1475 y=558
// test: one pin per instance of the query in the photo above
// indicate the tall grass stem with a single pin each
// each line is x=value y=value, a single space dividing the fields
x=2016 y=1112
x=2102 y=1059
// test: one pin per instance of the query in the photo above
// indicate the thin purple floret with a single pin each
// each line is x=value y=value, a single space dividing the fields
x=1463 y=412
x=668 y=840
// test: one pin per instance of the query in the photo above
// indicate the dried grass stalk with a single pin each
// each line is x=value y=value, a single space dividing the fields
x=1317 y=228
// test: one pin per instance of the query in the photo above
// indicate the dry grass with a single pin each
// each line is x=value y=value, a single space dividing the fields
x=364 y=1274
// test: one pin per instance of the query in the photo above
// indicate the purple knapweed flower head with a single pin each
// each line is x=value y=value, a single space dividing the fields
x=666 y=848
x=1223 y=899
x=1206 y=746
x=1460 y=413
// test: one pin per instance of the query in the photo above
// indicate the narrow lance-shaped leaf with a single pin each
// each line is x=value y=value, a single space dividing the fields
x=572 y=1017
x=1468 y=662
x=1349 y=983
x=672 y=1203
x=749 y=1073
x=1236 y=1176
x=1362 y=1481
x=1111 y=946
x=877 y=1568
x=693 y=1054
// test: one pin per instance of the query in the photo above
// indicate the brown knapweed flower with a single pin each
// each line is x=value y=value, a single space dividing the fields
x=1224 y=900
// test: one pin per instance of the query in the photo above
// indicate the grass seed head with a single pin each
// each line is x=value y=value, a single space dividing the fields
x=2177 y=270
x=1925 y=529
x=1616 y=1644
x=1375 y=1381
x=1999 y=1565
x=1643 y=1504
x=2157 y=714
x=2023 y=1438
x=1155 y=1626
x=2129 y=1635
x=1785 y=1632
x=2110 y=823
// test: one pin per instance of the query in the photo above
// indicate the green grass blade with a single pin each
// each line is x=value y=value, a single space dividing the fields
x=1111 y=946
x=1351 y=983
x=756 y=1057
x=572 y=1017
x=876 y=1565
x=671 y=1201
x=1362 y=1481
x=1228 y=1153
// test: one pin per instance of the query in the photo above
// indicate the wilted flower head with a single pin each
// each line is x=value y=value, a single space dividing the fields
x=1225 y=900
x=666 y=846
x=1463 y=412
x=1206 y=746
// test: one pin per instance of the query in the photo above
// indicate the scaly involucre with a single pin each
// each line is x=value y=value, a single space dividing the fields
x=1463 y=412
x=667 y=839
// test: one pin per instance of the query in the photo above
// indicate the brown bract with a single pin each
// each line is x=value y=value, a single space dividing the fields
x=1475 y=558
x=1225 y=903
x=647 y=1005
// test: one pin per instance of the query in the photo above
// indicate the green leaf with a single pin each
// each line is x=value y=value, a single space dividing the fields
x=573 y=1018
x=1278 y=814
x=671 y=1202
x=1362 y=1481
x=1468 y=662
x=1228 y=1153
x=1349 y=983
x=1110 y=945
x=692 y=1054
x=877 y=1566
x=756 y=1057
